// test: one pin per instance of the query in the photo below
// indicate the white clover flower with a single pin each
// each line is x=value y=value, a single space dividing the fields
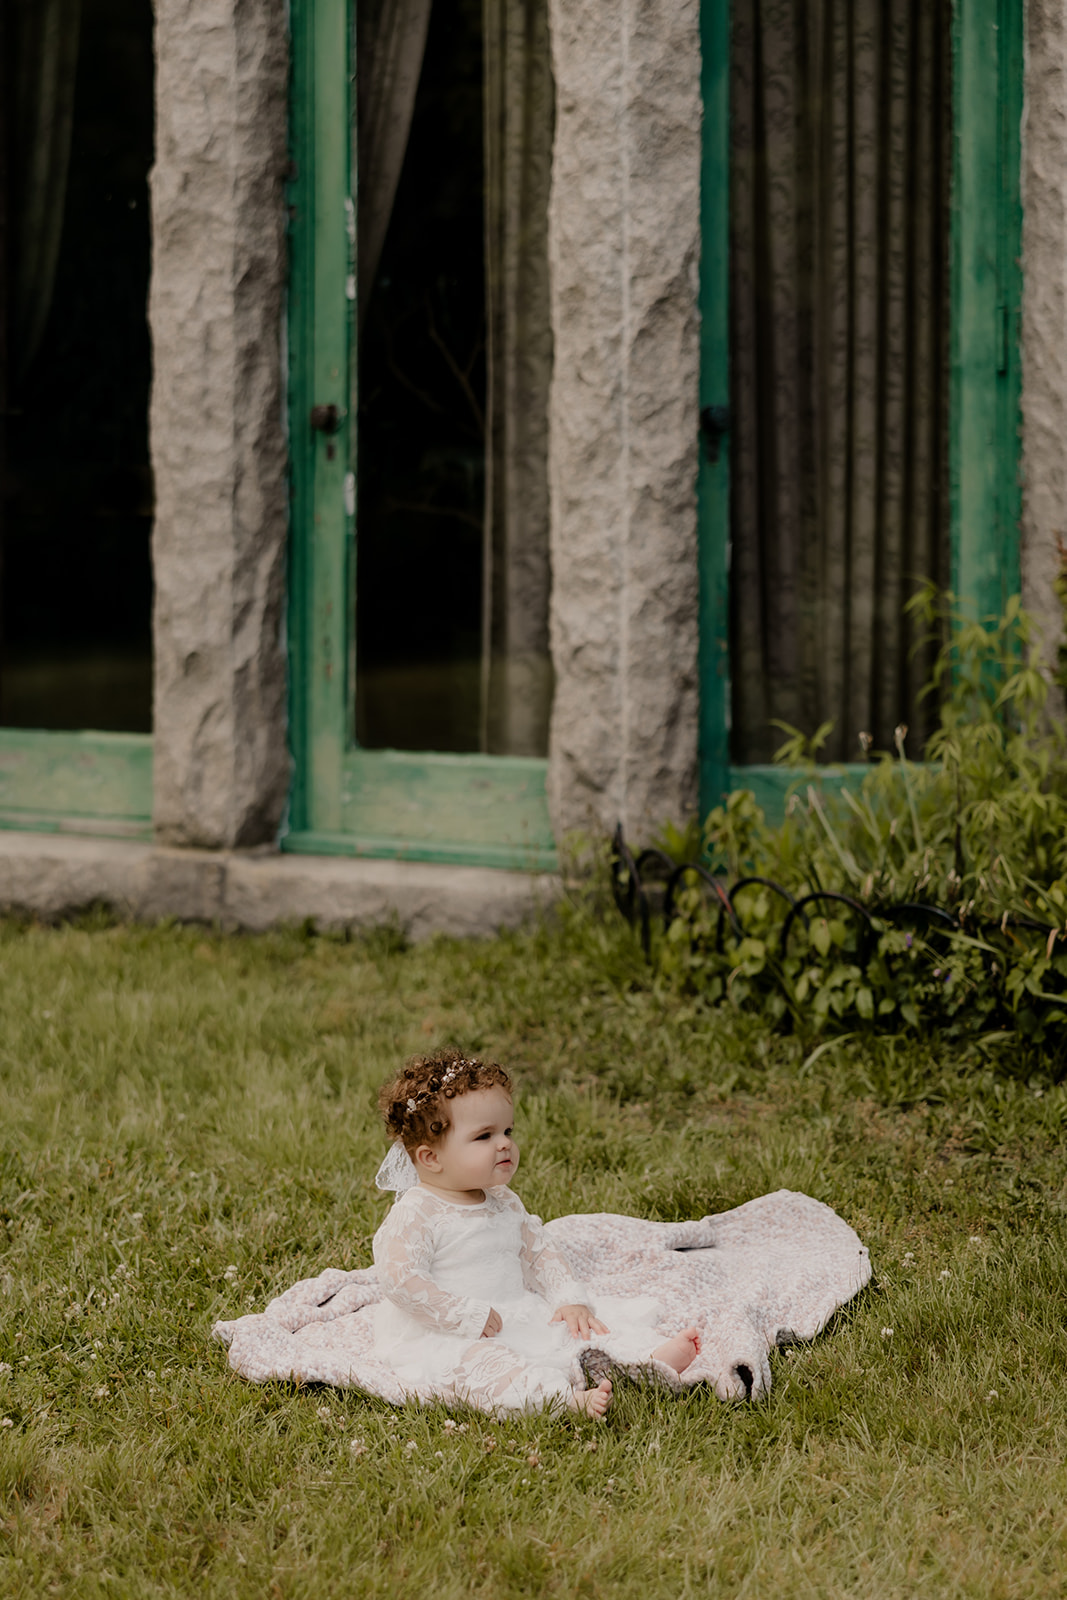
x=356 y=1448
x=325 y=1414
x=231 y=1273
x=439 y=1455
x=976 y=1238
x=136 y=1216
x=944 y=1273
x=992 y=1395
x=950 y=1183
x=7 y=1422
x=449 y=1425
x=5 y=1366
x=591 y=1445
x=909 y=1255
x=103 y=1393
x=411 y=1447
x=887 y=1333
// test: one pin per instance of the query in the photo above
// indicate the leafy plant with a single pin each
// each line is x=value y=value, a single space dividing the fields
x=931 y=893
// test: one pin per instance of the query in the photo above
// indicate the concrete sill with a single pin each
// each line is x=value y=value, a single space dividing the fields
x=52 y=875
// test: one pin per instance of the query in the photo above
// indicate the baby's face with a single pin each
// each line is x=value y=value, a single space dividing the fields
x=478 y=1151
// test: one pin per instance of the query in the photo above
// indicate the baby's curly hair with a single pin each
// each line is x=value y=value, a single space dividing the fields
x=414 y=1104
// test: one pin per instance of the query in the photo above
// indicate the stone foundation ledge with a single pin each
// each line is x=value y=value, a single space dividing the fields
x=52 y=875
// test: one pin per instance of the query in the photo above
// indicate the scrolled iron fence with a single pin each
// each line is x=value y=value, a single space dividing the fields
x=647 y=886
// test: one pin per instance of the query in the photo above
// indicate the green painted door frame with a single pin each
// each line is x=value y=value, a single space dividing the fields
x=80 y=782
x=986 y=246
x=985 y=379
x=713 y=474
x=483 y=810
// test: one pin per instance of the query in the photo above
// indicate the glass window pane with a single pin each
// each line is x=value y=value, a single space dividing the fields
x=455 y=123
x=839 y=300
x=77 y=511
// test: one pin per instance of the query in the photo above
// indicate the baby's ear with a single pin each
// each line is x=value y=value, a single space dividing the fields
x=426 y=1156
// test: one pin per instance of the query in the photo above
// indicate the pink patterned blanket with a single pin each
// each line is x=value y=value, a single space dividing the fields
x=770 y=1272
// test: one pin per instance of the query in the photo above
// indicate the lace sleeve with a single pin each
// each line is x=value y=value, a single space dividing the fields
x=546 y=1270
x=403 y=1255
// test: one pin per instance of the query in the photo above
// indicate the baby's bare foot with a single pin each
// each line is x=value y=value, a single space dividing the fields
x=594 y=1402
x=679 y=1351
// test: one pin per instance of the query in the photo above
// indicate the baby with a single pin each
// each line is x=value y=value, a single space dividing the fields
x=479 y=1305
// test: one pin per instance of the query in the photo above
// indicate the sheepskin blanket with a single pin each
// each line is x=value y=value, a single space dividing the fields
x=772 y=1271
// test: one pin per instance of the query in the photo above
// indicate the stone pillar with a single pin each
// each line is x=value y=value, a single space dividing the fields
x=217 y=421
x=624 y=243
x=1044 y=321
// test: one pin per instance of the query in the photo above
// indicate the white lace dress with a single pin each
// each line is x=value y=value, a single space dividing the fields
x=443 y=1267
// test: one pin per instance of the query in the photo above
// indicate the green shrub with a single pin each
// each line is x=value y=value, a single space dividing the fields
x=952 y=870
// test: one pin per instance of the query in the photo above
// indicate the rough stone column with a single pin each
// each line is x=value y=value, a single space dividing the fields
x=218 y=444
x=624 y=241
x=1044 y=330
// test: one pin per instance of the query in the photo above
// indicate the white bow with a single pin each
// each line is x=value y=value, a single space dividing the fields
x=397 y=1171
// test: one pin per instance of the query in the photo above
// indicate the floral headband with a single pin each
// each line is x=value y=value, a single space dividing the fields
x=430 y=1093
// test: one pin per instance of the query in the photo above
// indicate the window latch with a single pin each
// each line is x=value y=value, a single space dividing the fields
x=714 y=422
x=325 y=419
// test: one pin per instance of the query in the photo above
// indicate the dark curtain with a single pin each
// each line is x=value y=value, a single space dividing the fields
x=839 y=300
x=390 y=42
x=42 y=45
x=519 y=113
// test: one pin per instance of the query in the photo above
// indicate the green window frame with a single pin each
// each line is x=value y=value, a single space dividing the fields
x=427 y=806
x=492 y=810
x=985 y=371
x=79 y=782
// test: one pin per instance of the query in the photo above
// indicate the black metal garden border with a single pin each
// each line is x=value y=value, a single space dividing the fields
x=635 y=880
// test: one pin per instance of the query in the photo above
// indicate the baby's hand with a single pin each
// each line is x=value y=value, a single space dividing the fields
x=580 y=1320
x=493 y=1324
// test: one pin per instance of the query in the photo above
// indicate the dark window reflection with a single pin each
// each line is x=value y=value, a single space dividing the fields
x=77 y=510
x=421 y=418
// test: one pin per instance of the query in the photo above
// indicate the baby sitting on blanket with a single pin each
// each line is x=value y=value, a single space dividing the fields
x=479 y=1305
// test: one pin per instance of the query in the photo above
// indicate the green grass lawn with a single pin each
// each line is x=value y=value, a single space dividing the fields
x=186 y=1127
